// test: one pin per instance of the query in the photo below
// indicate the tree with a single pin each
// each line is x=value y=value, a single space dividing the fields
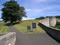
x=41 y=18
x=57 y=16
x=12 y=11
x=49 y=16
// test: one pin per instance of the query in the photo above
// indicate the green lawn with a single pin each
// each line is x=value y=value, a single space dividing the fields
x=3 y=29
x=22 y=27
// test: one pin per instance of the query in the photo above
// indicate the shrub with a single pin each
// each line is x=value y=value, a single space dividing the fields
x=58 y=25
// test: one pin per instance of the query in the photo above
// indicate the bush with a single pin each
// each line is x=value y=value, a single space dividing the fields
x=57 y=16
x=58 y=25
x=40 y=18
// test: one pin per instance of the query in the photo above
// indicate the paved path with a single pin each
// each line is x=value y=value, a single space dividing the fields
x=33 y=39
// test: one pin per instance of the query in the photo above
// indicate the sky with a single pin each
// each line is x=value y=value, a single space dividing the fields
x=37 y=8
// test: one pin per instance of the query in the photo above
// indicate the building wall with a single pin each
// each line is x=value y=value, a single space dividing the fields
x=8 y=39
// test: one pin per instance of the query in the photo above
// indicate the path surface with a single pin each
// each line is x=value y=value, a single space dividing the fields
x=33 y=39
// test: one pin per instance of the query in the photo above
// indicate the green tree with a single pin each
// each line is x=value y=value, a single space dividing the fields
x=12 y=11
x=49 y=16
x=41 y=18
x=57 y=16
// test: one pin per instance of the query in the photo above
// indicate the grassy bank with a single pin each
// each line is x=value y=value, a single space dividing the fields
x=3 y=29
x=22 y=27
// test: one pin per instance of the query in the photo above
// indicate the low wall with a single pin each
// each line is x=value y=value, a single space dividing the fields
x=8 y=39
x=55 y=33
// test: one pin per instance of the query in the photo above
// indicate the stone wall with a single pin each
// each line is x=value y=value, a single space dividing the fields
x=45 y=21
x=8 y=39
x=52 y=21
x=49 y=21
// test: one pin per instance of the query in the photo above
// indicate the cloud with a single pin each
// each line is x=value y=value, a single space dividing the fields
x=0 y=14
x=38 y=1
x=49 y=10
x=37 y=8
x=42 y=9
x=27 y=18
x=32 y=13
x=33 y=10
x=28 y=9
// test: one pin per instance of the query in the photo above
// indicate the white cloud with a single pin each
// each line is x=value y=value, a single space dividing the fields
x=48 y=8
x=34 y=10
x=42 y=9
x=27 y=18
x=43 y=0
x=0 y=14
x=40 y=0
x=51 y=8
x=28 y=10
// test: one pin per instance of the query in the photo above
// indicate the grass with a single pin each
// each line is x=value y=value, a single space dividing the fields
x=3 y=29
x=22 y=27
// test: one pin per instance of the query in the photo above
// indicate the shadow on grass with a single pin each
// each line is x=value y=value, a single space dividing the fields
x=29 y=31
x=11 y=24
x=55 y=34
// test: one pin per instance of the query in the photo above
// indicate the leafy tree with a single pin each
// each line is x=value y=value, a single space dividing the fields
x=57 y=16
x=49 y=16
x=41 y=17
x=12 y=11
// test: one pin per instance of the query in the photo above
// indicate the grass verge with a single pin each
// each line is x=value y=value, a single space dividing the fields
x=22 y=27
x=3 y=29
